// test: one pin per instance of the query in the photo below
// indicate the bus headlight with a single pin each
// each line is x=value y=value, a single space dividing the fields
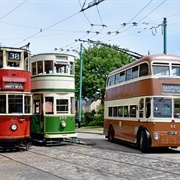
x=14 y=127
x=63 y=124
x=156 y=136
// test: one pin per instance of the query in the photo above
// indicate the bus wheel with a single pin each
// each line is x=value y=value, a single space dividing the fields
x=111 y=134
x=142 y=142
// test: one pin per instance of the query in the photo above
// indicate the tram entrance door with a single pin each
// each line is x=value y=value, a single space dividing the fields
x=37 y=121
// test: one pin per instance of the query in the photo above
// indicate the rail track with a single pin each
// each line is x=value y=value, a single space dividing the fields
x=79 y=162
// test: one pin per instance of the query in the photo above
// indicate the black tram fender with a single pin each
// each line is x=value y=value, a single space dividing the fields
x=148 y=136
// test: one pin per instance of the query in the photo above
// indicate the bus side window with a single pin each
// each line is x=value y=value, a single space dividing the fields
x=148 y=107
x=126 y=112
x=177 y=108
x=141 y=108
x=111 y=80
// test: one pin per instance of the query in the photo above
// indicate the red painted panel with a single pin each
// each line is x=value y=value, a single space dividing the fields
x=15 y=76
x=23 y=130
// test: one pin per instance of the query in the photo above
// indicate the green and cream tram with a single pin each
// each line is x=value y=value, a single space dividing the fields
x=53 y=88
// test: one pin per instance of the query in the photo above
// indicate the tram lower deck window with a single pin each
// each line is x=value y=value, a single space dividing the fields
x=49 y=101
x=62 y=106
x=3 y=103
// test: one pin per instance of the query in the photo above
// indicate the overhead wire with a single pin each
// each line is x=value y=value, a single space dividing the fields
x=42 y=30
x=124 y=24
x=140 y=19
x=13 y=9
x=92 y=25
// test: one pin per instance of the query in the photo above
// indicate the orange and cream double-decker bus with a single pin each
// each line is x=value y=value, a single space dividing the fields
x=142 y=102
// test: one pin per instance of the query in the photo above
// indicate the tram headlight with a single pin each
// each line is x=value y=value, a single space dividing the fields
x=63 y=124
x=156 y=136
x=14 y=127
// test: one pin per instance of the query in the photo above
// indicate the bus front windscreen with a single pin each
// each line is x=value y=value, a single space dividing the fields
x=162 y=107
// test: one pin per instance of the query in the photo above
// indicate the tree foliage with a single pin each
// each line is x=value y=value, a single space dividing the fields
x=97 y=63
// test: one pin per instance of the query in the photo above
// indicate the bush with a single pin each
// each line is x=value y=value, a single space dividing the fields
x=96 y=119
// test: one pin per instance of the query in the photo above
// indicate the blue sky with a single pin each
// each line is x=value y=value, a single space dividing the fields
x=48 y=24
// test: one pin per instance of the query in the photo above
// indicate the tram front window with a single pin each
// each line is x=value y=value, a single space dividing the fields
x=162 y=107
x=15 y=103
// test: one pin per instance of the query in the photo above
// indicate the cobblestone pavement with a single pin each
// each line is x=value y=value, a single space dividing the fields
x=77 y=161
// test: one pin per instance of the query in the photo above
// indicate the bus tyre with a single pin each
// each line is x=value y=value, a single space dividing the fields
x=143 y=142
x=111 y=134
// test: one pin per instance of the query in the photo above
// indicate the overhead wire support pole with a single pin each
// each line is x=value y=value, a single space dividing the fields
x=165 y=35
x=80 y=89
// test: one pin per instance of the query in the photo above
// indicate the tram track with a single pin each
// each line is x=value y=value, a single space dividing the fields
x=155 y=164
x=96 y=161
x=30 y=166
x=142 y=158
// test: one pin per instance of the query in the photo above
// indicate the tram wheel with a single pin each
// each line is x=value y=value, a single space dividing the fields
x=111 y=134
x=143 y=142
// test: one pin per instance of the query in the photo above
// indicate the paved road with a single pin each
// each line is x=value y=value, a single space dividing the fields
x=95 y=158
x=97 y=139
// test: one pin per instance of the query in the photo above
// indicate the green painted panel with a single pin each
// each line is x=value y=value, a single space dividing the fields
x=53 y=124
x=53 y=90
x=35 y=123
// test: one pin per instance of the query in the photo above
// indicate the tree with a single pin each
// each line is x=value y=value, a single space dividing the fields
x=97 y=63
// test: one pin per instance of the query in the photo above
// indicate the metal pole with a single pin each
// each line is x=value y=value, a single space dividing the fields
x=165 y=39
x=80 y=88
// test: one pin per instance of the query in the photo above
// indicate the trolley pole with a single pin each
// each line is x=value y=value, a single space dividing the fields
x=165 y=35
x=80 y=89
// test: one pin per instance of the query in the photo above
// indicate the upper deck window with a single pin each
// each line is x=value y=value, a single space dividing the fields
x=111 y=81
x=128 y=74
x=117 y=78
x=71 y=68
x=33 y=68
x=40 y=67
x=176 y=69
x=143 y=71
x=135 y=72
x=61 y=67
x=48 y=67
x=14 y=59
x=122 y=76
x=161 y=69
